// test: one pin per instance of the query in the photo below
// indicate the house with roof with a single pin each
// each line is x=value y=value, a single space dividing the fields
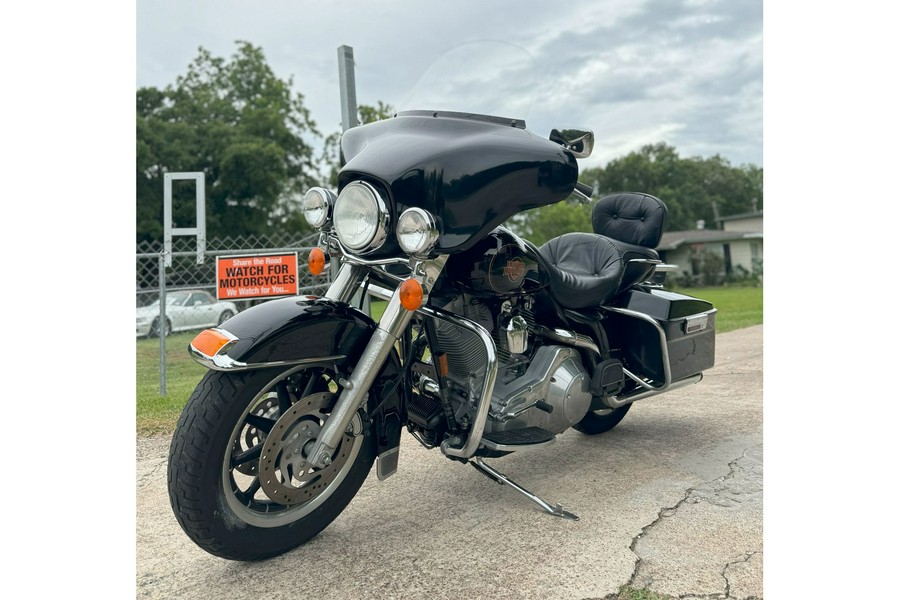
x=738 y=244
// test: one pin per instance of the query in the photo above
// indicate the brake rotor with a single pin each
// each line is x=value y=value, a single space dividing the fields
x=284 y=473
x=252 y=436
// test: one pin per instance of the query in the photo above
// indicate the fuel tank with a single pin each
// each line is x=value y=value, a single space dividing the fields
x=500 y=264
x=472 y=172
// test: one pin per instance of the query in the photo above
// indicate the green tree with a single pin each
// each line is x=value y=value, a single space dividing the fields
x=541 y=224
x=692 y=188
x=239 y=124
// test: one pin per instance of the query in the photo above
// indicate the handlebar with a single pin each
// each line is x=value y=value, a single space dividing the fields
x=584 y=188
x=583 y=192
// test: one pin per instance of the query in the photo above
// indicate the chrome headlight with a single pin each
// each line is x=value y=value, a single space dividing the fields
x=316 y=206
x=360 y=217
x=416 y=231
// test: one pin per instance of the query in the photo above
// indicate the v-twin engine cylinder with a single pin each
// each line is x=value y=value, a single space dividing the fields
x=547 y=388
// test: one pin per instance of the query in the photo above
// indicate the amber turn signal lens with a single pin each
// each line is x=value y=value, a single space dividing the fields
x=210 y=341
x=411 y=294
x=316 y=261
x=443 y=367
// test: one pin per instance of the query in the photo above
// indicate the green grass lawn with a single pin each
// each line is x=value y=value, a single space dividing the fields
x=155 y=413
x=738 y=307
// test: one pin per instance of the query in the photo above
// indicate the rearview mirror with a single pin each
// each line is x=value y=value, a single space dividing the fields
x=579 y=142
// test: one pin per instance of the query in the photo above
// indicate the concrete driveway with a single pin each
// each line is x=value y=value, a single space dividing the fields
x=670 y=500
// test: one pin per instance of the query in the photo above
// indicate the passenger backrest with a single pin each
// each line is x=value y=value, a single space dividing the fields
x=631 y=218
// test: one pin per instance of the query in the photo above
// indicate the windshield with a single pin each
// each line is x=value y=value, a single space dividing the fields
x=482 y=77
x=172 y=299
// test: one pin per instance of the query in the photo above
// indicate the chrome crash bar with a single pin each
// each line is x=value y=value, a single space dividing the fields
x=487 y=387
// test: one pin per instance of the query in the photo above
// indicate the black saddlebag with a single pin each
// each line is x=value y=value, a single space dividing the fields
x=688 y=327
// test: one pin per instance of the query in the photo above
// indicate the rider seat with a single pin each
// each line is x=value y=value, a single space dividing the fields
x=587 y=269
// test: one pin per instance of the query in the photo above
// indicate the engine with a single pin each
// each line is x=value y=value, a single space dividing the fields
x=538 y=385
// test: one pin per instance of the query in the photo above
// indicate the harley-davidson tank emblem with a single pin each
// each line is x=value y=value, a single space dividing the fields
x=514 y=270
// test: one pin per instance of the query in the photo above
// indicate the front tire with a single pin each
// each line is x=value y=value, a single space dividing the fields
x=238 y=482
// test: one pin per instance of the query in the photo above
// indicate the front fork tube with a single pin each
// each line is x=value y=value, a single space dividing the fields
x=390 y=328
x=346 y=283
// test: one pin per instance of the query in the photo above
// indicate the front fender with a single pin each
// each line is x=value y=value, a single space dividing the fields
x=286 y=331
x=304 y=329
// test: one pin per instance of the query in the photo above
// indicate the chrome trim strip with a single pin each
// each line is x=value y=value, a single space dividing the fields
x=507 y=448
x=666 y=268
x=223 y=362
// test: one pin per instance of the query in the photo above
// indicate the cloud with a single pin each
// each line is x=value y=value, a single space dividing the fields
x=690 y=71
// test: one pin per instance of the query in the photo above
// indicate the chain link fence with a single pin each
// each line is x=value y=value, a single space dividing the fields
x=185 y=275
x=190 y=288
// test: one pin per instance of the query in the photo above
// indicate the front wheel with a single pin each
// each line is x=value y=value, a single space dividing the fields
x=601 y=421
x=239 y=483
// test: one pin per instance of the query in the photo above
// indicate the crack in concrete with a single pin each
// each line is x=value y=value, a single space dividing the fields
x=147 y=478
x=747 y=556
x=670 y=511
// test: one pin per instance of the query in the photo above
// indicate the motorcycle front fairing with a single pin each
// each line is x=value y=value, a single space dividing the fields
x=472 y=172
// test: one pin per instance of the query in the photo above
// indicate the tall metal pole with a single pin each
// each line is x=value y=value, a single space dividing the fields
x=347 y=77
x=348 y=87
x=161 y=328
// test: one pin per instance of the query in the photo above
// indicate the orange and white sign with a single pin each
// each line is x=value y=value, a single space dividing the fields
x=243 y=277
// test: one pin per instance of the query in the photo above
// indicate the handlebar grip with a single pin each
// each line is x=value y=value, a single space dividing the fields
x=584 y=188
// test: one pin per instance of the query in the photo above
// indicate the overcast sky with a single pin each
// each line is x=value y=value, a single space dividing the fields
x=686 y=72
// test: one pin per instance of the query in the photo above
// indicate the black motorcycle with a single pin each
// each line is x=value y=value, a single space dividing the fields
x=488 y=344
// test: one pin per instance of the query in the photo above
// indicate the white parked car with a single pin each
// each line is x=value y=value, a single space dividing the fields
x=185 y=310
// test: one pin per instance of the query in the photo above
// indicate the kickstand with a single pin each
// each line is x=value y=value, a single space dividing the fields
x=502 y=479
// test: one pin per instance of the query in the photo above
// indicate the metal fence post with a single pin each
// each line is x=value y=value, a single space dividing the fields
x=154 y=279
x=162 y=329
